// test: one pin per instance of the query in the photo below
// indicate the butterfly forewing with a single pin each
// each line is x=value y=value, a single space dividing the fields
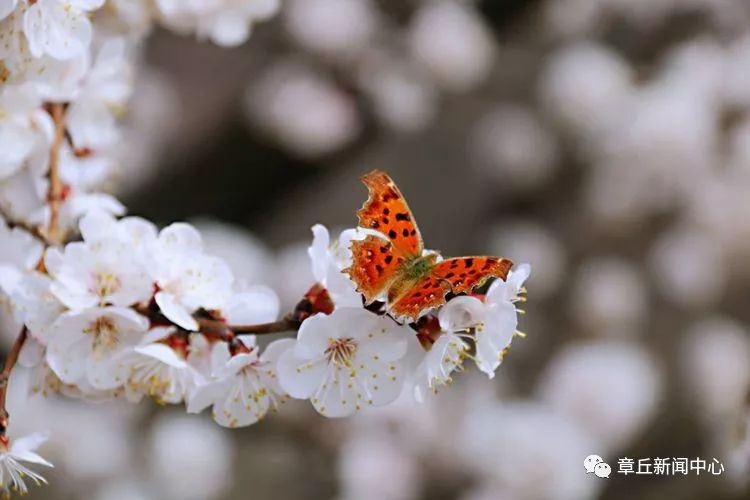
x=386 y=211
x=375 y=265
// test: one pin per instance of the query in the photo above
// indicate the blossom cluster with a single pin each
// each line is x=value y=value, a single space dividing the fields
x=130 y=311
x=81 y=54
x=110 y=307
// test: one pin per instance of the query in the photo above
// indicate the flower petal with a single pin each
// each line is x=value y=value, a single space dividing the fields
x=258 y=304
x=175 y=311
x=300 y=378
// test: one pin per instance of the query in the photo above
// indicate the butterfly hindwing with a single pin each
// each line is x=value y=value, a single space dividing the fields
x=375 y=265
x=386 y=211
x=427 y=293
x=466 y=273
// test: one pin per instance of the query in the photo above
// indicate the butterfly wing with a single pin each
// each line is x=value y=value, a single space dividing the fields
x=459 y=275
x=375 y=265
x=466 y=273
x=386 y=211
x=422 y=294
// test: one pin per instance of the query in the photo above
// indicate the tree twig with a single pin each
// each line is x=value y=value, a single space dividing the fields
x=55 y=192
x=10 y=362
x=223 y=330
x=283 y=325
x=34 y=230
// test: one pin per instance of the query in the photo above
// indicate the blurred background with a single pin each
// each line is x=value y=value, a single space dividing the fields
x=606 y=142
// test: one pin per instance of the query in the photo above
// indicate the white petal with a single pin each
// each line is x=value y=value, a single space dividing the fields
x=80 y=204
x=163 y=353
x=128 y=319
x=384 y=381
x=461 y=313
x=107 y=372
x=53 y=260
x=32 y=353
x=300 y=378
x=383 y=340
x=258 y=304
x=318 y=252
x=137 y=231
x=494 y=336
x=52 y=28
x=247 y=401
x=97 y=225
x=181 y=236
x=269 y=359
x=175 y=311
x=235 y=364
x=156 y=334
x=29 y=443
x=205 y=395
x=338 y=395
x=313 y=335
x=6 y=7
x=508 y=290
x=24 y=448
x=275 y=349
x=67 y=357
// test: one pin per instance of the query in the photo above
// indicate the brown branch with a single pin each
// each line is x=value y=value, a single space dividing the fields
x=283 y=325
x=36 y=231
x=55 y=192
x=220 y=328
x=10 y=362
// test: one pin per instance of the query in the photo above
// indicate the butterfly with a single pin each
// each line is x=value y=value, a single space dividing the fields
x=393 y=262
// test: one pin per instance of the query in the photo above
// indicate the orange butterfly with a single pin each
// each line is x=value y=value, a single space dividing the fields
x=394 y=263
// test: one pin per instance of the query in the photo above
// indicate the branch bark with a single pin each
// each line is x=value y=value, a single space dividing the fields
x=55 y=192
x=10 y=363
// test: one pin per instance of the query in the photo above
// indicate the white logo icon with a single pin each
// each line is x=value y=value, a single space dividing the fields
x=597 y=465
x=591 y=462
x=602 y=470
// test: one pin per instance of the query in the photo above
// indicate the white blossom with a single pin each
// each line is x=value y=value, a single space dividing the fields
x=244 y=386
x=187 y=278
x=35 y=304
x=91 y=117
x=445 y=356
x=59 y=28
x=157 y=369
x=329 y=259
x=20 y=252
x=98 y=272
x=346 y=361
x=11 y=458
x=86 y=346
x=25 y=130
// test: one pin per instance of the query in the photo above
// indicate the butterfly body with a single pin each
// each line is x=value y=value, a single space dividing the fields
x=419 y=267
x=393 y=263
